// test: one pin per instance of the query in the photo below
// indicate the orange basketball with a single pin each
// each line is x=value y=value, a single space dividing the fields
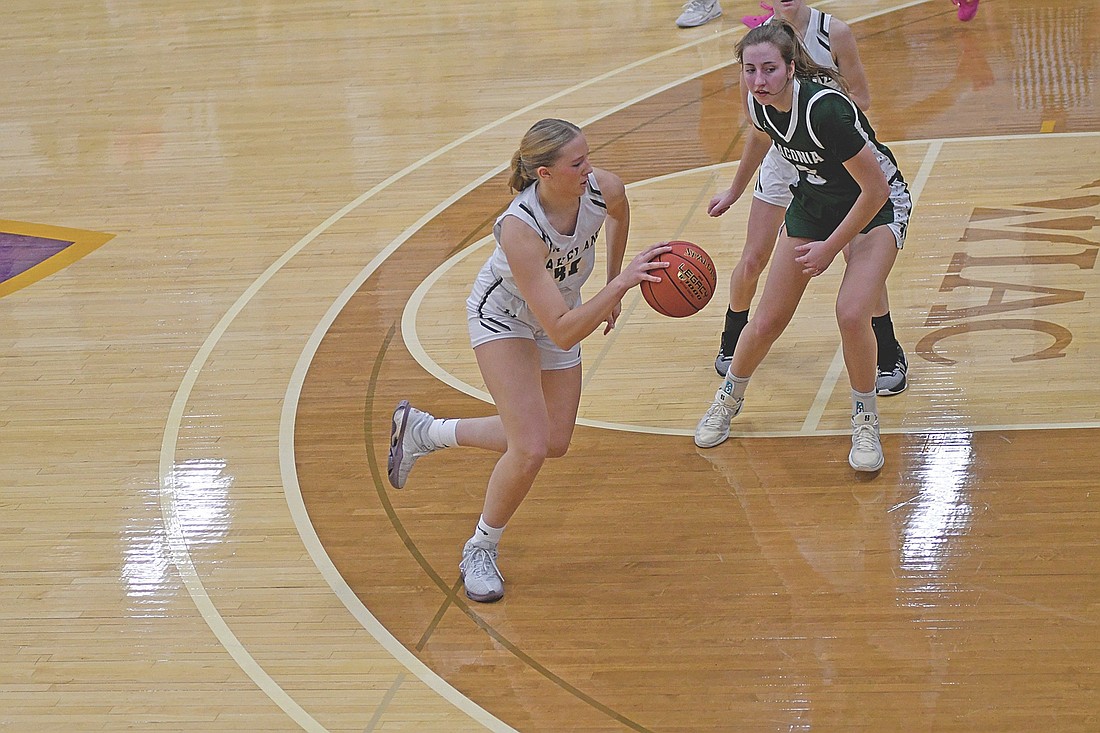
x=686 y=285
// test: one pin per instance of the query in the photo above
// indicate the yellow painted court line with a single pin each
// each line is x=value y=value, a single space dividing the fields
x=83 y=242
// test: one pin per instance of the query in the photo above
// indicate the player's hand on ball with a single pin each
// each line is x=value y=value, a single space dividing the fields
x=644 y=263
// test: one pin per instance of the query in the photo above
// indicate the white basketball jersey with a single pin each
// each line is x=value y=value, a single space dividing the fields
x=570 y=258
x=815 y=38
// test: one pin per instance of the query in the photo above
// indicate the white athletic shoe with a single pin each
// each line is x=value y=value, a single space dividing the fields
x=866 y=453
x=714 y=426
x=480 y=575
x=408 y=441
x=698 y=12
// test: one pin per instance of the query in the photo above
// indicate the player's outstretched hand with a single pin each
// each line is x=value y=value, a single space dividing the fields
x=721 y=203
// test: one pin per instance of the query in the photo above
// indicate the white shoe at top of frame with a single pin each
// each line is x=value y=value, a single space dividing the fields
x=698 y=12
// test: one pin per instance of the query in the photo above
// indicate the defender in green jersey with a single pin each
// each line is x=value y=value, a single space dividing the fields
x=849 y=196
x=829 y=42
x=826 y=190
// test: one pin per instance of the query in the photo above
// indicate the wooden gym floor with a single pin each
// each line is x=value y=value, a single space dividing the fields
x=234 y=235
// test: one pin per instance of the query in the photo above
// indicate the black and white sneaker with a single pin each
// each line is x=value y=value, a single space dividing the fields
x=722 y=363
x=893 y=382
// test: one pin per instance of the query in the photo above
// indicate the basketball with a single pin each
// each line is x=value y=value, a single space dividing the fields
x=686 y=285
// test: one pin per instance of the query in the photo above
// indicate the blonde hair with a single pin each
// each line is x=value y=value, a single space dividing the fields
x=784 y=37
x=540 y=146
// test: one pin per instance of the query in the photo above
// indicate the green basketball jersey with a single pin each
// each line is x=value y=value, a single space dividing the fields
x=823 y=129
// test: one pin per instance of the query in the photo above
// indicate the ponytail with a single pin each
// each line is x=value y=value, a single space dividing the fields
x=540 y=146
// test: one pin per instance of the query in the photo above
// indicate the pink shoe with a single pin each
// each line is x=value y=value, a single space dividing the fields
x=967 y=9
x=753 y=21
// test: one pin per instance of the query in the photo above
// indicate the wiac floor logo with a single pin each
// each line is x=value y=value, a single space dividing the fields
x=1011 y=276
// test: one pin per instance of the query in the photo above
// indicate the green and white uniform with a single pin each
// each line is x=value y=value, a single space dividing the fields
x=776 y=176
x=823 y=130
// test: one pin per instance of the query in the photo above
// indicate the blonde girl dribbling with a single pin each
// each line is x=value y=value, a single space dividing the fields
x=526 y=320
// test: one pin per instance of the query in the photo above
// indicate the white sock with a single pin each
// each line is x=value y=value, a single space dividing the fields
x=864 y=402
x=485 y=533
x=735 y=386
x=441 y=433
